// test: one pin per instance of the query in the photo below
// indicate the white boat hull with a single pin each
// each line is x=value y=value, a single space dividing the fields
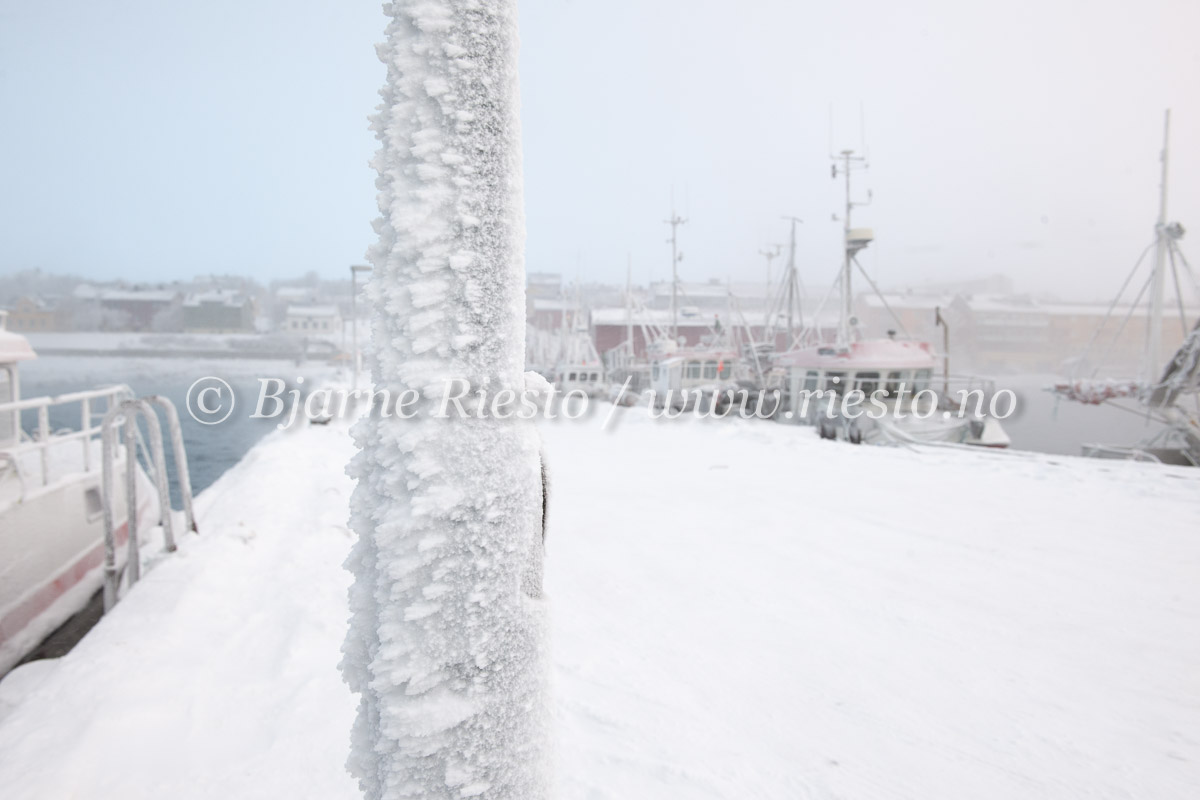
x=52 y=551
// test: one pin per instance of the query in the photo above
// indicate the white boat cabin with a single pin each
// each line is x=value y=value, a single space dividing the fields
x=696 y=370
x=14 y=348
x=886 y=369
x=587 y=378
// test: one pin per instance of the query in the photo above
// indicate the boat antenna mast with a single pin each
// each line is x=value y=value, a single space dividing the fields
x=675 y=221
x=769 y=255
x=844 y=164
x=1162 y=247
x=792 y=287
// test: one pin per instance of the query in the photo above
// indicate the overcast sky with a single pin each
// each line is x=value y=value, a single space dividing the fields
x=154 y=140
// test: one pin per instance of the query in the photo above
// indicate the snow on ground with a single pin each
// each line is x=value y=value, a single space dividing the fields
x=216 y=677
x=741 y=611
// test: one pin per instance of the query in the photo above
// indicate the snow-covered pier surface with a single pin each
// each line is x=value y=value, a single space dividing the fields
x=741 y=610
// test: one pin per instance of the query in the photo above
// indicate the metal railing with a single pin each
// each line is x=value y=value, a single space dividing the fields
x=125 y=415
x=43 y=439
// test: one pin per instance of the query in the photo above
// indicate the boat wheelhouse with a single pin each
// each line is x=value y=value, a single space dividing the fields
x=896 y=372
x=586 y=378
x=682 y=378
x=897 y=396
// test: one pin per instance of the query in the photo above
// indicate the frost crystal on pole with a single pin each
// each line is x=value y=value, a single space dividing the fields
x=445 y=646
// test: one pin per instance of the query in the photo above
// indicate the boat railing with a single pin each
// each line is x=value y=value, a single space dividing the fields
x=103 y=412
x=124 y=416
x=93 y=404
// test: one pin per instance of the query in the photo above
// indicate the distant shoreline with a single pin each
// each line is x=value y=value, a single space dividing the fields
x=112 y=344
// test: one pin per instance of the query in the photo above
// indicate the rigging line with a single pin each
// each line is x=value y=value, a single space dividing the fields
x=1178 y=292
x=1124 y=322
x=1188 y=267
x=753 y=350
x=1108 y=314
x=1139 y=413
x=772 y=303
x=777 y=298
x=709 y=328
x=879 y=294
x=816 y=317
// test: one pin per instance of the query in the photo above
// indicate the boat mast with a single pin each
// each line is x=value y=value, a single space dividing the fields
x=1161 y=248
x=629 y=305
x=562 y=333
x=849 y=247
x=770 y=255
x=675 y=221
x=793 y=292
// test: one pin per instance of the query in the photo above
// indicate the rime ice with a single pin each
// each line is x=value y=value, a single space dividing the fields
x=445 y=645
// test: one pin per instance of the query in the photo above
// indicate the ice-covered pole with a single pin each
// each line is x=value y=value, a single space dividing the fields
x=445 y=647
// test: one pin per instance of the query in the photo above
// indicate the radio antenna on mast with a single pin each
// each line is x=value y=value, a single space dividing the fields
x=675 y=221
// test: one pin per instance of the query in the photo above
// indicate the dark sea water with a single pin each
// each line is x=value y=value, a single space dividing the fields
x=211 y=449
x=1047 y=424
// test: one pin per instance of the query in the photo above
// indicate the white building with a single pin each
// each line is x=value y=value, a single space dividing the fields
x=323 y=321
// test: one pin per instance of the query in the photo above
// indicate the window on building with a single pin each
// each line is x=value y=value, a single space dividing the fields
x=835 y=381
x=810 y=380
x=694 y=370
x=893 y=384
x=921 y=381
x=710 y=370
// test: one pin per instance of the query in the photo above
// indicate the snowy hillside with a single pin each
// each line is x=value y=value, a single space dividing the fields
x=741 y=610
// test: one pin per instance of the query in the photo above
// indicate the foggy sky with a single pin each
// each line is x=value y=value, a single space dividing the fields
x=152 y=141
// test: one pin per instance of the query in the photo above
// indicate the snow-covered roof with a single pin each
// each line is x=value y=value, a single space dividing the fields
x=1007 y=304
x=312 y=311
x=85 y=291
x=225 y=297
x=653 y=316
x=740 y=289
x=552 y=304
x=905 y=301
x=35 y=303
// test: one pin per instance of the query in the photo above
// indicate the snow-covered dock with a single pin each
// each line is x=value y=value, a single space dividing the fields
x=741 y=610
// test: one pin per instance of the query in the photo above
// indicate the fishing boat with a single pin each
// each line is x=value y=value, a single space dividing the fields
x=685 y=375
x=55 y=513
x=877 y=390
x=567 y=357
x=1167 y=390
